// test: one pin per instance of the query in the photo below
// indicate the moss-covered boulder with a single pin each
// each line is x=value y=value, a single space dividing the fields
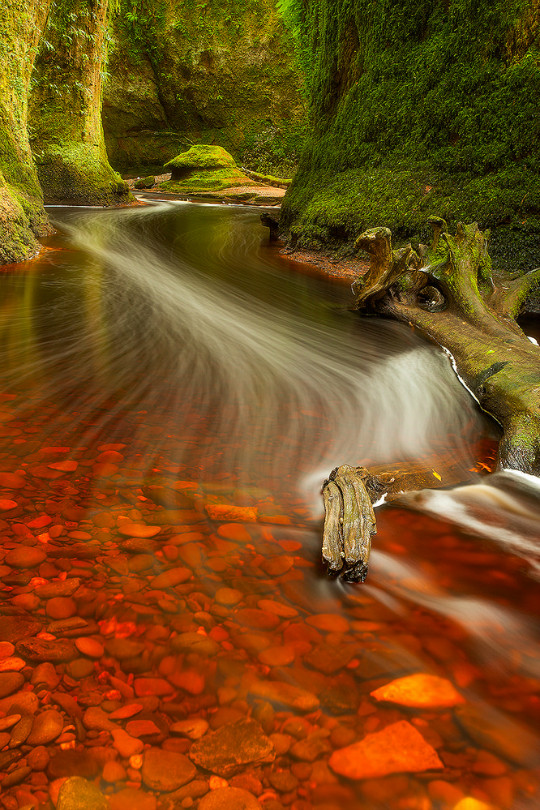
x=204 y=168
x=146 y=182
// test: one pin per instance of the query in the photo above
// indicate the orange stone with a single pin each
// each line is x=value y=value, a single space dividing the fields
x=6 y=504
x=421 y=691
x=225 y=511
x=138 y=530
x=279 y=608
x=65 y=466
x=398 y=748
x=331 y=622
x=232 y=531
x=12 y=480
x=90 y=647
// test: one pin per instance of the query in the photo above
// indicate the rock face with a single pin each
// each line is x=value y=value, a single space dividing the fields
x=352 y=82
x=227 y=750
x=398 y=748
x=227 y=76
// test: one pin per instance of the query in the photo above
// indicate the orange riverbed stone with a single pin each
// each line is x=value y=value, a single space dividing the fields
x=225 y=511
x=398 y=748
x=420 y=690
x=138 y=530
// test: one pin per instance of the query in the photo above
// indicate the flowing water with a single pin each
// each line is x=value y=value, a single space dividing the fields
x=174 y=393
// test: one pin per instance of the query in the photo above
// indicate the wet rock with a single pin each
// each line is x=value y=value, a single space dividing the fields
x=6 y=648
x=25 y=557
x=166 y=770
x=494 y=731
x=139 y=530
x=12 y=664
x=226 y=512
x=9 y=721
x=285 y=694
x=152 y=686
x=142 y=728
x=311 y=748
x=421 y=691
x=232 y=747
x=72 y=762
x=228 y=596
x=329 y=622
x=90 y=647
x=328 y=659
x=114 y=772
x=398 y=748
x=126 y=745
x=21 y=731
x=40 y=649
x=123 y=648
x=172 y=577
x=50 y=590
x=10 y=682
x=16 y=777
x=61 y=607
x=79 y=794
x=47 y=727
x=20 y=702
x=45 y=675
x=96 y=719
x=196 y=643
x=283 y=780
x=257 y=619
x=229 y=798
x=132 y=799
x=194 y=728
x=38 y=758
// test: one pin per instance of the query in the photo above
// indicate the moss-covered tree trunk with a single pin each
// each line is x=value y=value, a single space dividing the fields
x=22 y=216
x=67 y=140
x=449 y=292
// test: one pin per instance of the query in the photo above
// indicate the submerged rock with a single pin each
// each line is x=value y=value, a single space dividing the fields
x=79 y=794
x=398 y=748
x=227 y=750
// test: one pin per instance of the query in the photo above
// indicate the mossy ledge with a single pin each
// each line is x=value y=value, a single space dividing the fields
x=204 y=168
x=418 y=107
x=65 y=107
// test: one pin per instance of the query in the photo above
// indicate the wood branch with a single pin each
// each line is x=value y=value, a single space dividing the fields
x=447 y=290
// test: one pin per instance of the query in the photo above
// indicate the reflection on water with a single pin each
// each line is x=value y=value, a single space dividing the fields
x=173 y=398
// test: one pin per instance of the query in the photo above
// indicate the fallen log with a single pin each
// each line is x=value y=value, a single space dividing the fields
x=449 y=292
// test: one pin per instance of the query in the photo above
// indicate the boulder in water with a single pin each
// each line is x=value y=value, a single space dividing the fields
x=204 y=168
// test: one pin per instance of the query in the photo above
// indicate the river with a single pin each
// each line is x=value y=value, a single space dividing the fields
x=174 y=392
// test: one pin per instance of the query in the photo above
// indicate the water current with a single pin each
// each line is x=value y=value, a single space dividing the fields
x=174 y=392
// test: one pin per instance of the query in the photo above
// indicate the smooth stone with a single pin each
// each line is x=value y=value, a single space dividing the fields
x=496 y=732
x=230 y=748
x=172 y=577
x=45 y=675
x=65 y=587
x=10 y=682
x=40 y=649
x=96 y=719
x=421 y=691
x=138 y=530
x=72 y=762
x=90 y=647
x=78 y=794
x=142 y=728
x=114 y=772
x=195 y=642
x=61 y=607
x=195 y=728
x=20 y=703
x=21 y=731
x=47 y=727
x=6 y=649
x=122 y=648
x=166 y=770
x=329 y=622
x=228 y=596
x=25 y=557
x=126 y=745
x=152 y=686
x=285 y=694
x=398 y=748
x=132 y=799
x=12 y=664
x=229 y=798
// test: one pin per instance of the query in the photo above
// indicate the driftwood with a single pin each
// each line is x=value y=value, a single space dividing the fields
x=449 y=292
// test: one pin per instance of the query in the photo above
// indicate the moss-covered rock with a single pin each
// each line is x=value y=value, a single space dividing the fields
x=146 y=182
x=22 y=216
x=418 y=107
x=204 y=168
x=199 y=72
x=65 y=108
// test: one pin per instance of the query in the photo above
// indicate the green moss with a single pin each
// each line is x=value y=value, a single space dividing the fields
x=415 y=107
x=207 y=180
x=202 y=156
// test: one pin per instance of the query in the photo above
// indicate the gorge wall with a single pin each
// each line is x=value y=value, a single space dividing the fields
x=184 y=72
x=419 y=107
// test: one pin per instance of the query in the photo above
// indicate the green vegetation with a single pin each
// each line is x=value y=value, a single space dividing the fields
x=415 y=107
x=195 y=72
x=204 y=168
x=65 y=108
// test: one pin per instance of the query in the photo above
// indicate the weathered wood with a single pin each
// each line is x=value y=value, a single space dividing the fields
x=449 y=292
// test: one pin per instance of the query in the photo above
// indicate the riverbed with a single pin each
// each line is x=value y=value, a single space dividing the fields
x=174 y=393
